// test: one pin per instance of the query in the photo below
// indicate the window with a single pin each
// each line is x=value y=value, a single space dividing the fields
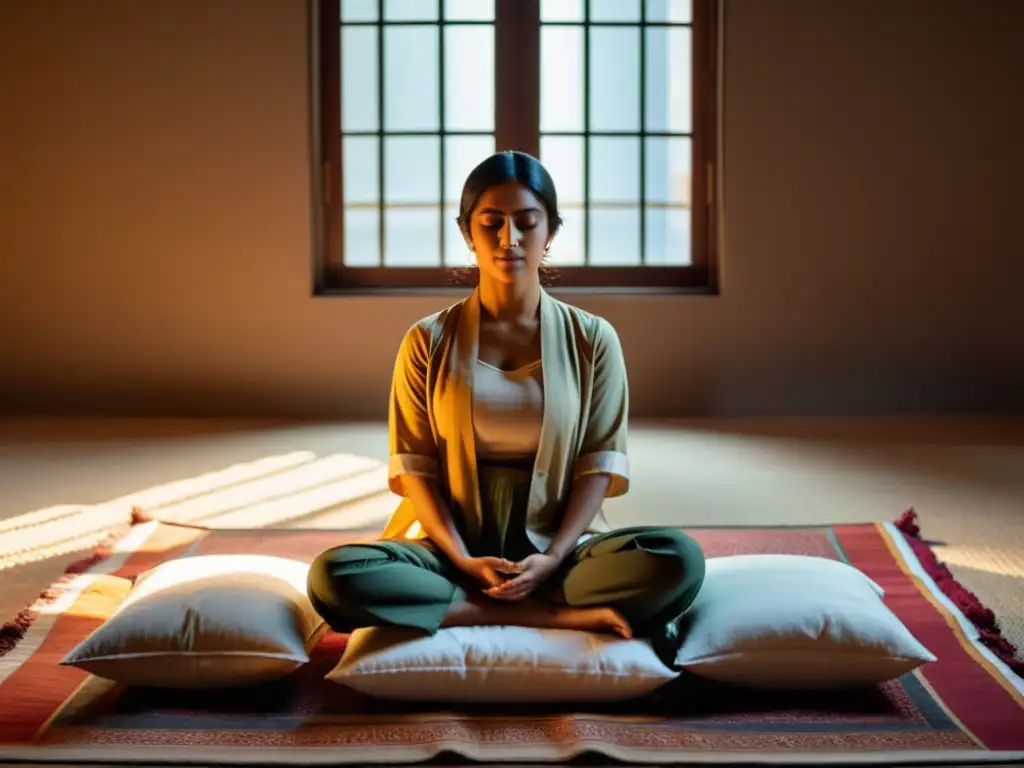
x=616 y=97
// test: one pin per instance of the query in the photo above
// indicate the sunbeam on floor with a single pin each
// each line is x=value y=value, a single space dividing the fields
x=68 y=483
x=297 y=490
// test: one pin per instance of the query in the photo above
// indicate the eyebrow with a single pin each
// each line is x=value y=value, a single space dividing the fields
x=502 y=213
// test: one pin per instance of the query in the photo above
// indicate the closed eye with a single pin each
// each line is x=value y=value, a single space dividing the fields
x=520 y=225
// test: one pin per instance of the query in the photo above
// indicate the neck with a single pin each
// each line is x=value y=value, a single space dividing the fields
x=510 y=301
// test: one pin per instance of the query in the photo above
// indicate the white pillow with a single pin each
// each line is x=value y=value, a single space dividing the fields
x=796 y=622
x=499 y=664
x=207 y=622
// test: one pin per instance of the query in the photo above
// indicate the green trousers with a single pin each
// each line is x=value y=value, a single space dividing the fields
x=650 y=575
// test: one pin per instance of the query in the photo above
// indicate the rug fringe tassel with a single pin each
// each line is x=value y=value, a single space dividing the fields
x=14 y=630
x=139 y=516
x=982 y=617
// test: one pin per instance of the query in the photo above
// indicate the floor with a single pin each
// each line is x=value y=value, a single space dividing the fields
x=66 y=483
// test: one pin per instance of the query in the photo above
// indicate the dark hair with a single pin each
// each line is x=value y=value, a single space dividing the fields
x=499 y=168
x=503 y=167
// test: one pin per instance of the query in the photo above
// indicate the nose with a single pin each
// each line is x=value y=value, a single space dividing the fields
x=509 y=235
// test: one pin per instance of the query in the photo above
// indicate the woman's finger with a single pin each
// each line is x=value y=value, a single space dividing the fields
x=502 y=565
x=516 y=581
x=520 y=595
x=511 y=587
x=500 y=596
x=507 y=597
x=516 y=588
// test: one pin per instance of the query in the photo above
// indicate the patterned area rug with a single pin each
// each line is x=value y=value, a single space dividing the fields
x=967 y=707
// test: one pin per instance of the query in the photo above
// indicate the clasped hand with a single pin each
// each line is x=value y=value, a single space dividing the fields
x=507 y=580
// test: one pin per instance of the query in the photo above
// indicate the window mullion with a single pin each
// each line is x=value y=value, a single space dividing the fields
x=441 y=126
x=517 y=75
x=586 y=134
x=381 y=167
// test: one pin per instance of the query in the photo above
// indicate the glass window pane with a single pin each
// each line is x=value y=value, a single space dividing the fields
x=461 y=155
x=615 y=10
x=361 y=179
x=561 y=78
x=674 y=11
x=410 y=10
x=563 y=157
x=358 y=10
x=469 y=10
x=561 y=10
x=412 y=169
x=469 y=78
x=412 y=237
x=567 y=247
x=668 y=67
x=614 y=78
x=362 y=236
x=668 y=237
x=358 y=79
x=614 y=169
x=668 y=177
x=411 y=91
x=614 y=238
x=456 y=252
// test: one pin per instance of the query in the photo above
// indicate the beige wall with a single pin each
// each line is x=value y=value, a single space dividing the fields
x=156 y=242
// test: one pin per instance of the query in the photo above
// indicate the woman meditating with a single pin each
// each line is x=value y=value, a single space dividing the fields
x=507 y=420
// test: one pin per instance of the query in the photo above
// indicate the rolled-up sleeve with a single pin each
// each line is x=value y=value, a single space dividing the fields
x=604 y=442
x=413 y=450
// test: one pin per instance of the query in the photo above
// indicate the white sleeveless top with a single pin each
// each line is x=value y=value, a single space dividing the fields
x=508 y=410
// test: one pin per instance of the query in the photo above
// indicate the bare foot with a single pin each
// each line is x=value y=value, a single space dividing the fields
x=478 y=610
x=598 y=619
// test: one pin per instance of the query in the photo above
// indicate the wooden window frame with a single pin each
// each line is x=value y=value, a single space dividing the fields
x=517 y=126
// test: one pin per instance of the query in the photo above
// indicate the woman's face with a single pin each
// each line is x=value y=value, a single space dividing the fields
x=509 y=232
